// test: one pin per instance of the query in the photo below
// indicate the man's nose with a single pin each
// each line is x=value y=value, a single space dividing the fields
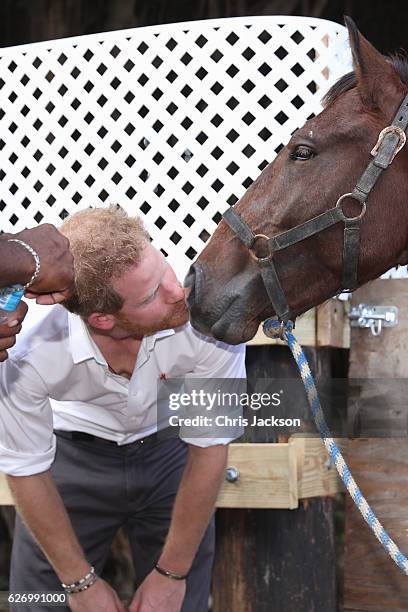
x=174 y=291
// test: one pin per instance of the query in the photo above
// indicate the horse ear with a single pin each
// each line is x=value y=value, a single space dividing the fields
x=378 y=83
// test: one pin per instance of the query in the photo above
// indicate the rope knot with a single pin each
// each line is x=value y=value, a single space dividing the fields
x=276 y=329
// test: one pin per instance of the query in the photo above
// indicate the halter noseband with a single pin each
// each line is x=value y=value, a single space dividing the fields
x=390 y=141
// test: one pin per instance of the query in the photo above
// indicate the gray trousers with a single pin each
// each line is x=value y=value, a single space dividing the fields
x=105 y=487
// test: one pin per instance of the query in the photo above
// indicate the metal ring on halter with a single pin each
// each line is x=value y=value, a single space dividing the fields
x=363 y=207
x=251 y=250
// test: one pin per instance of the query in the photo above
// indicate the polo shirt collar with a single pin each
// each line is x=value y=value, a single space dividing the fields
x=151 y=339
x=84 y=348
x=81 y=343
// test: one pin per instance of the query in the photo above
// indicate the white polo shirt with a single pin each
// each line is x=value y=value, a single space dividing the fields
x=57 y=378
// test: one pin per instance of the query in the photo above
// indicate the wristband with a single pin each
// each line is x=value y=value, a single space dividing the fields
x=36 y=258
x=168 y=574
x=82 y=584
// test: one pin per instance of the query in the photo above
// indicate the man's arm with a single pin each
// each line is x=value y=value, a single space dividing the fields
x=198 y=489
x=193 y=507
x=27 y=450
x=41 y=507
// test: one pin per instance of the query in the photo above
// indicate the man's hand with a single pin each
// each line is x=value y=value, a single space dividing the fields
x=100 y=597
x=9 y=330
x=56 y=280
x=158 y=594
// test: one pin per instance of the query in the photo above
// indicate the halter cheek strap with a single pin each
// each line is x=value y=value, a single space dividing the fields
x=266 y=265
x=390 y=141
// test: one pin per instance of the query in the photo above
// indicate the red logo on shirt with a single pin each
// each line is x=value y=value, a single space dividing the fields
x=163 y=376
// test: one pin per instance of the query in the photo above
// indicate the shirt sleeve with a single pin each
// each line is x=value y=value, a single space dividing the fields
x=217 y=361
x=27 y=442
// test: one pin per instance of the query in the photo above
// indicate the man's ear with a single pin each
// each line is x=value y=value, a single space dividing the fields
x=99 y=320
x=378 y=83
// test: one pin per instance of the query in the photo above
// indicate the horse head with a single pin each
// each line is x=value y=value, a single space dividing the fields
x=323 y=160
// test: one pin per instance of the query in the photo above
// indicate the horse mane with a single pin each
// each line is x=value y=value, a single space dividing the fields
x=348 y=81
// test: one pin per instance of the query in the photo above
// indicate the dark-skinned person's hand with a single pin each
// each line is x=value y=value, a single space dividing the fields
x=10 y=328
x=55 y=282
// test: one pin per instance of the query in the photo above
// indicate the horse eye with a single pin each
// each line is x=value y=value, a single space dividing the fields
x=302 y=152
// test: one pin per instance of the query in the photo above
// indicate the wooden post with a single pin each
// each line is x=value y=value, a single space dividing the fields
x=278 y=559
x=379 y=464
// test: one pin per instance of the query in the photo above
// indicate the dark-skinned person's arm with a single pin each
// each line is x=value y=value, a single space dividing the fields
x=193 y=508
x=54 y=283
x=55 y=280
x=10 y=329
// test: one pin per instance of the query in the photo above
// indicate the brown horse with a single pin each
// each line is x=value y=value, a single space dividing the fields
x=323 y=160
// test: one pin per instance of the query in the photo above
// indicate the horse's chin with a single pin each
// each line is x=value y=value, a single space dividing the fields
x=228 y=329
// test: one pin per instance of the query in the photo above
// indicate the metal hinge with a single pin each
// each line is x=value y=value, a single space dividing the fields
x=373 y=317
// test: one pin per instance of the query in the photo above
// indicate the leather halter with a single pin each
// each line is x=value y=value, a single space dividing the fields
x=390 y=141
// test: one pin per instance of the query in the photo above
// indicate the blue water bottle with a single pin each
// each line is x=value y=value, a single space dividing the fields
x=10 y=298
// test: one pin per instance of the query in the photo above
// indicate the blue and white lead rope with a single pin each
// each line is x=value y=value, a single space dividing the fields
x=272 y=328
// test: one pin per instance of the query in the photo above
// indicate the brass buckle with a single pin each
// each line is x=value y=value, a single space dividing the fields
x=388 y=130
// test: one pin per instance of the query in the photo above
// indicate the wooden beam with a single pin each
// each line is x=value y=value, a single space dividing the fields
x=5 y=493
x=372 y=581
x=279 y=475
x=378 y=456
x=271 y=475
x=332 y=324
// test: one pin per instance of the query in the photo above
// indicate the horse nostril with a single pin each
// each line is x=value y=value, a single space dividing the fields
x=190 y=277
x=193 y=283
x=189 y=283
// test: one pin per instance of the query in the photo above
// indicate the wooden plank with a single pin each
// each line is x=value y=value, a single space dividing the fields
x=5 y=493
x=279 y=475
x=372 y=580
x=268 y=479
x=275 y=560
x=384 y=356
x=278 y=559
x=332 y=324
x=378 y=371
x=317 y=475
x=271 y=475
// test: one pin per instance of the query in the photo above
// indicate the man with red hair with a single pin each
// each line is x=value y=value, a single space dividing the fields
x=90 y=372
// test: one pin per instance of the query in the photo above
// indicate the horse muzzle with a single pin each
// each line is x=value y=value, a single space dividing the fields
x=219 y=314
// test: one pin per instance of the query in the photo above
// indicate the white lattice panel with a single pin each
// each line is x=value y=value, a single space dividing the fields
x=174 y=121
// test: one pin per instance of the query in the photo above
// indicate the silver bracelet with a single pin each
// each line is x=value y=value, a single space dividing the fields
x=82 y=584
x=36 y=257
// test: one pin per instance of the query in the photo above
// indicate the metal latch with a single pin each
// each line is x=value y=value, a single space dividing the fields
x=373 y=317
